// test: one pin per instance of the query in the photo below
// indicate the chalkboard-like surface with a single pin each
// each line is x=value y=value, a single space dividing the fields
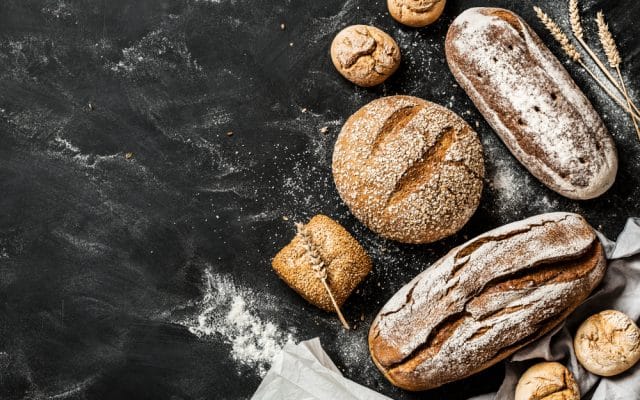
x=154 y=155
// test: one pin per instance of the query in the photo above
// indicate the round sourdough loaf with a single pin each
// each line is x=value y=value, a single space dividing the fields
x=410 y=170
x=486 y=299
x=416 y=13
x=532 y=103
x=365 y=55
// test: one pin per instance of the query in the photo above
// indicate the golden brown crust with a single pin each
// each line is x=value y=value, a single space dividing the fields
x=347 y=263
x=531 y=102
x=365 y=55
x=416 y=13
x=409 y=169
x=547 y=381
x=485 y=300
x=608 y=343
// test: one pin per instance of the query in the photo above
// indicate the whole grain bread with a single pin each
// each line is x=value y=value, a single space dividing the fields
x=486 y=299
x=409 y=169
x=532 y=103
x=346 y=263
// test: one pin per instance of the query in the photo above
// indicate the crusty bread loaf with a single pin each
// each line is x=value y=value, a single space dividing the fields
x=365 y=55
x=416 y=13
x=486 y=299
x=409 y=169
x=531 y=102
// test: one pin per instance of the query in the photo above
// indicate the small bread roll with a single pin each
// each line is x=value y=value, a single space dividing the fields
x=344 y=261
x=547 y=381
x=365 y=55
x=607 y=343
x=409 y=169
x=416 y=13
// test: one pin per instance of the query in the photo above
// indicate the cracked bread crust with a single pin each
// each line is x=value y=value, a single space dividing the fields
x=608 y=343
x=547 y=381
x=416 y=13
x=409 y=169
x=365 y=55
x=486 y=299
x=530 y=100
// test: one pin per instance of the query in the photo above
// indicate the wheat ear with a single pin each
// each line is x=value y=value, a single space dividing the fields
x=557 y=33
x=576 y=28
x=574 y=55
x=318 y=267
x=576 y=23
x=613 y=55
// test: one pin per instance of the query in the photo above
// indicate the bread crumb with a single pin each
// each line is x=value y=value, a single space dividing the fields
x=283 y=27
x=324 y=129
x=128 y=155
x=230 y=133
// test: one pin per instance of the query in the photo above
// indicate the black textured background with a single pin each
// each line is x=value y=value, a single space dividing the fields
x=103 y=256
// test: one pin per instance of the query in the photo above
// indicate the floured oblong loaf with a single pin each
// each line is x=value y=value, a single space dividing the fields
x=532 y=103
x=486 y=299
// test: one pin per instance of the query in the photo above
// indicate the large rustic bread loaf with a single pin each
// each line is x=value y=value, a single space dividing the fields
x=409 y=169
x=486 y=299
x=532 y=103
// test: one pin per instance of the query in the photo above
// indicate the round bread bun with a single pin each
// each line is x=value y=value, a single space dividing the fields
x=416 y=13
x=365 y=55
x=410 y=170
x=607 y=343
x=547 y=381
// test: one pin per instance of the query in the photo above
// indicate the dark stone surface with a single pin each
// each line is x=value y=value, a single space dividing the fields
x=103 y=254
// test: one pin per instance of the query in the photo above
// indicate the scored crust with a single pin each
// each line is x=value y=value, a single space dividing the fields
x=409 y=169
x=485 y=300
x=531 y=102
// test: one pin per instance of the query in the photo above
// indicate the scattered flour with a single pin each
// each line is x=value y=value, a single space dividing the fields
x=230 y=311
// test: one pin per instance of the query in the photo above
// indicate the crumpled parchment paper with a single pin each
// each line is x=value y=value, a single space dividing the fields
x=305 y=372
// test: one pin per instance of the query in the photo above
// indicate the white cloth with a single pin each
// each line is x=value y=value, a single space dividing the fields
x=305 y=372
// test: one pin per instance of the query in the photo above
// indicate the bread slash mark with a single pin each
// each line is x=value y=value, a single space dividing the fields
x=422 y=169
x=393 y=125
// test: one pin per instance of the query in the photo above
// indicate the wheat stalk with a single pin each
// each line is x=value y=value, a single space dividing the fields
x=559 y=35
x=318 y=267
x=576 y=28
x=608 y=43
x=613 y=55
x=576 y=24
x=574 y=55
